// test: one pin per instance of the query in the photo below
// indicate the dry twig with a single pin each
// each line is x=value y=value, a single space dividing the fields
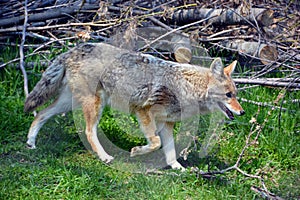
x=22 y=51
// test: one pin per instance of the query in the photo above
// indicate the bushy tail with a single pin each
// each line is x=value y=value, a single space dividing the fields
x=47 y=87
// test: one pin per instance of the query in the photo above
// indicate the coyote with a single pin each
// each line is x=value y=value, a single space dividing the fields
x=158 y=92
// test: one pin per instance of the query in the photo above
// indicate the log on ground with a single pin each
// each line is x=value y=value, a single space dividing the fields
x=224 y=16
x=265 y=53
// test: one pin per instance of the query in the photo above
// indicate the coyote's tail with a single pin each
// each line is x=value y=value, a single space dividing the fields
x=47 y=87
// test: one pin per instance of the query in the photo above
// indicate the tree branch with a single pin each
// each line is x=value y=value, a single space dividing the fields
x=269 y=82
x=21 y=49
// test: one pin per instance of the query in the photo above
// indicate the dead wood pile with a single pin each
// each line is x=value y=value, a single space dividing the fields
x=262 y=34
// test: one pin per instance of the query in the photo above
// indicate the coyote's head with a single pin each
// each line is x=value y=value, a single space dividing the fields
x=222 y=90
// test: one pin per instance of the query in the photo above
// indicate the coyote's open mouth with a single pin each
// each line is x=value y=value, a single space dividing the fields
x=226 y=110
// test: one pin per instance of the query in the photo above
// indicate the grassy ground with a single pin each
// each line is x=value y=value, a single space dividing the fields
x=62 y=168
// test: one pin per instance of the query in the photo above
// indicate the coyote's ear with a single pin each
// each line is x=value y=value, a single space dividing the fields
x=217 y=67
x=230 y=68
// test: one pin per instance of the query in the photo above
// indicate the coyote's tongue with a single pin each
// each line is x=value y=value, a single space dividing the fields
x=226 y=110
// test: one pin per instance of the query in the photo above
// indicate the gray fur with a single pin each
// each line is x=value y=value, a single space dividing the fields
x=47 y=87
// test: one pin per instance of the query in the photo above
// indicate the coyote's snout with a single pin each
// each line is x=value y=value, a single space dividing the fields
x=158 y=92
x=228 y=102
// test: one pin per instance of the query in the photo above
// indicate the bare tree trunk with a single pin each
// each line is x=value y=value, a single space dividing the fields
x=268 y=82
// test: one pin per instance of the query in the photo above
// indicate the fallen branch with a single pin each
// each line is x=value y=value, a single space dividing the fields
x=262 y=104
x=18 y=59
x=39 y=28
x=21 y=51
x=48 y=14
x=269 y=82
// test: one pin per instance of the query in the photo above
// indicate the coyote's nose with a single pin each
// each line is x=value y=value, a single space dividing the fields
x=242 y=112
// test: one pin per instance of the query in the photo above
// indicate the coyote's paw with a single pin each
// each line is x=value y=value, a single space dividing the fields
x=136 y=151
x=106 y=159
x=154 y=144
x=177 y=165
x=30 y=145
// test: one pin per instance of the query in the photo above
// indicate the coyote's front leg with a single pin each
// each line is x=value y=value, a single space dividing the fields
x=166 y=134
x=147 y=125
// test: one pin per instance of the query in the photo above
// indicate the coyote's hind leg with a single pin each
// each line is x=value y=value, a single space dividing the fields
x=92 y=107
x=148 y=127
x=61 y=105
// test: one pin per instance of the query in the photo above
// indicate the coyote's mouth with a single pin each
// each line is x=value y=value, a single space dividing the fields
x=228 y=113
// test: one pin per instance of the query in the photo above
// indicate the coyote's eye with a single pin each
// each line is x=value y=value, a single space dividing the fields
x=229 y=94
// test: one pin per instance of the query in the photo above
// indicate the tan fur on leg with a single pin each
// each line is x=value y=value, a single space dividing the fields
x=154 y=144
x=91 y=106
x=147 y=124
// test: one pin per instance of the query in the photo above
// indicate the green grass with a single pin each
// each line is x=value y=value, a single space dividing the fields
x=62 y=168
